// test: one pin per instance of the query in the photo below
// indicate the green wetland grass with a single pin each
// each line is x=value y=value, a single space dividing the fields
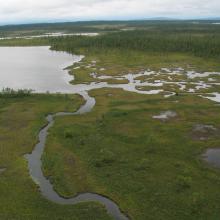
x=20 y=121
x=117 y=62
x=192 y=48
x=151 y=168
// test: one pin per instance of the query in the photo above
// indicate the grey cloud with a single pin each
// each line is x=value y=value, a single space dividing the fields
x=25 y=10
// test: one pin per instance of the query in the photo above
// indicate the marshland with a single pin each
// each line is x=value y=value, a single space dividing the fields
x=120 y=124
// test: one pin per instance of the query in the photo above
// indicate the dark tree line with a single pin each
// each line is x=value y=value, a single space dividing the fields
x=205 y=44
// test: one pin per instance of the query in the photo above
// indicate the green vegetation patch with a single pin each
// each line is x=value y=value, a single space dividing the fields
x=21 y=118
x=115 y=62
x=151 y=168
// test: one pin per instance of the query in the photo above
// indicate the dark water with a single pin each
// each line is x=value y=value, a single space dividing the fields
x=212 y=157
x=46 y=188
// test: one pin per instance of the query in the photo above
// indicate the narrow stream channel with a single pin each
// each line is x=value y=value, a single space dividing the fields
x=48 y=78
x=46 y=188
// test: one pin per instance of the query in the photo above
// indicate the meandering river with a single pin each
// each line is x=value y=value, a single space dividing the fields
x=42 y=70
x=46 y=188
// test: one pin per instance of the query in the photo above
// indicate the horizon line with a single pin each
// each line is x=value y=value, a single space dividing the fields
x=49 y=21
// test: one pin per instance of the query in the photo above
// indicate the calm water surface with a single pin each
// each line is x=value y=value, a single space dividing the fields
x=36 y=68
x=40 y=69
x=212 y=157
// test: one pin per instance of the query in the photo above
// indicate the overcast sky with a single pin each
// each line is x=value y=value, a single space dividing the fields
x=27 y=11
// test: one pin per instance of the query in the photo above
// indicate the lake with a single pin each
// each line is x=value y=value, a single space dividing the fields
x=36 y=68
x=42 y=70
